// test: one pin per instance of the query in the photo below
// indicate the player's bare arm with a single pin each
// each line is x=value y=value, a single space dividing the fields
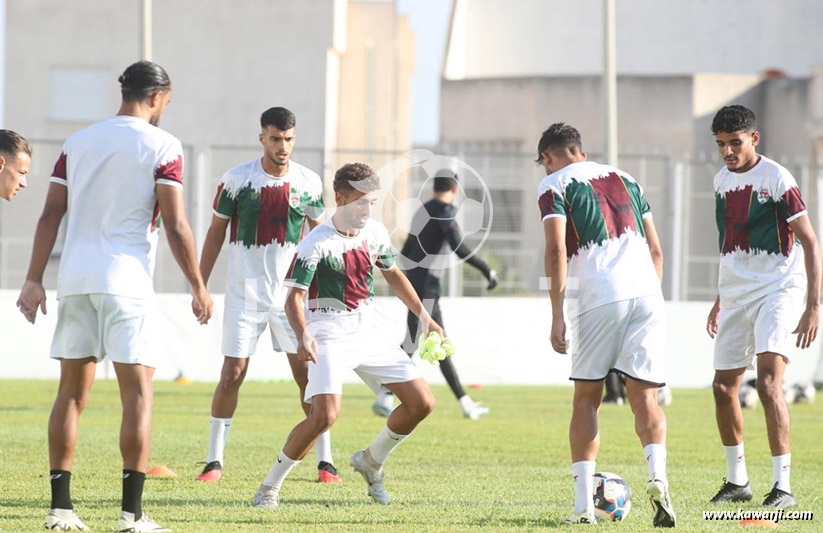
x=181 y=242
x=810 y=319
x=215 y=238
x=306 y=343
x=32 y=295
x=712 y=321
x=655 y=249
x=554 y=229
x=314 y=222
x=403 y=289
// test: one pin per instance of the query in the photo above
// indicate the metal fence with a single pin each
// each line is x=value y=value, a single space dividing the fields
x=679 y=191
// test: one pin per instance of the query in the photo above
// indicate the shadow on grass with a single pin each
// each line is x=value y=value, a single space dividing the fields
x=524 y=522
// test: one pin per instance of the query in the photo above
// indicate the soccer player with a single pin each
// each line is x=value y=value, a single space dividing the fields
x=15 y=159
x=421 y=254
x=266 y=202
x=112 y=182
x=334 y=264
x=599 y=230
x=764 y=274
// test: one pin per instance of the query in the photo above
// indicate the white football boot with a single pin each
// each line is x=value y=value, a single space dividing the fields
x=64 y=520
x=373 y=476
x=128 y=524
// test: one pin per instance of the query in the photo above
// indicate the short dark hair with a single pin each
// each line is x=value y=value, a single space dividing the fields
x=12 y=143
x=732 y=118
x=444 y=180
x=559 y=135
x=359 y=176
x=141 y=80
x=279 y=117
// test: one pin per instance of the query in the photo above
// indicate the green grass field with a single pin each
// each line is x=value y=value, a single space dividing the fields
x=509 y=471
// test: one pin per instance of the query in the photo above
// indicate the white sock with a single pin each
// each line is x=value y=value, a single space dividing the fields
x=656 y=461
x=322 y=447
x=782 y=471
x=218 y=436
x=385 y=442
x=466 y=403
x=583 y=476
x=279 y=471
x=736 y=464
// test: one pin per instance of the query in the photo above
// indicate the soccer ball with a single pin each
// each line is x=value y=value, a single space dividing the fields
x=748 y=396
x=804 y=392
x=664 y=396
x=612 y=497
x=789 y=394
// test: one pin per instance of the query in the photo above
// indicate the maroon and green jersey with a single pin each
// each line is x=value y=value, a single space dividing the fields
x=337 y=270
x=603 y=208
x=758 y=251
x=267 y=215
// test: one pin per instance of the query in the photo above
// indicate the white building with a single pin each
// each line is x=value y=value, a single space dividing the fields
x=514 y=67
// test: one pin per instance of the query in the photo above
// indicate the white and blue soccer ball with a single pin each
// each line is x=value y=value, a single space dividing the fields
x=804 y=392
x=789 y=394
x=748 y=396
x=612 y=497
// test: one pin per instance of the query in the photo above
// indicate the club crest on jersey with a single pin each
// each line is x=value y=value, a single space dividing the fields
x=294 y=199
x=336 y=263
x=763 y=195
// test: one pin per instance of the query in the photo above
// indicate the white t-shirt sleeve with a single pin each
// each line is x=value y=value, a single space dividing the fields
x=168 y=169
x=303 y=266
x=60 y=172
x=385 y=252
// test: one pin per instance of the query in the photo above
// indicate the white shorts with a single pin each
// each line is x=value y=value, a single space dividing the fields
x=764 y=325
x=350 y=342
x=627 y=336
x=242 y=328
x=105 y=325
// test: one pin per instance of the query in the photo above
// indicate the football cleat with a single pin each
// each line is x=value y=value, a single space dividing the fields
x=128 y=524
x=661 y=503
x=64 y=520
x=476 y=411
x=586 y=517
x=729 y=492
x=327 y=473
x=266 y=497
x=779 y=498
x=212 y=472
x=373 y=477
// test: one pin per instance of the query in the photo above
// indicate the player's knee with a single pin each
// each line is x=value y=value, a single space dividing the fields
x=323 y=419
x=769 y=389
x=723 y=392
x=73 y=399
x=232 y=377
x=423 y=406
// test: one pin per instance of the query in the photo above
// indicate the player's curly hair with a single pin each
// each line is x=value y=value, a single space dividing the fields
x=732 y=118
x=559 y=136
x=359 y=176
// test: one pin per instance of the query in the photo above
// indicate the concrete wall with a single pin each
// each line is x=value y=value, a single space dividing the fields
x=558 y=37
x=228 y=61
x=655 y=114
x=500 y=341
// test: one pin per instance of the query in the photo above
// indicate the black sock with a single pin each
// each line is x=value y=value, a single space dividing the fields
x=60 y=493
x=133 y=492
